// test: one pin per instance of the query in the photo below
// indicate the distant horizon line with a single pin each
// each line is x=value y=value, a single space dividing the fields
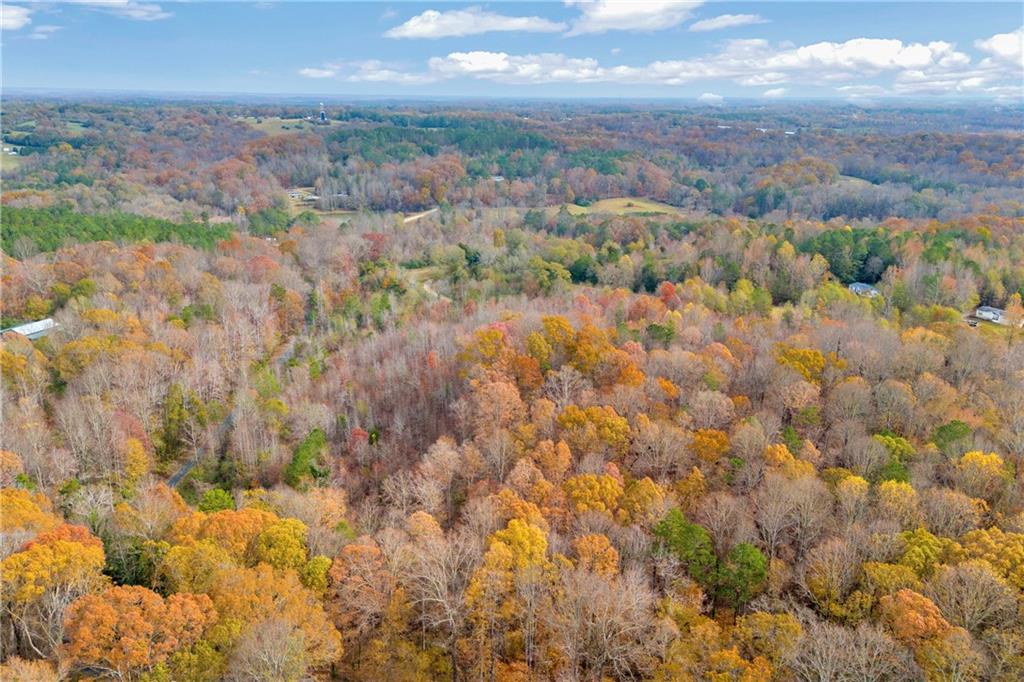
x=238 y=96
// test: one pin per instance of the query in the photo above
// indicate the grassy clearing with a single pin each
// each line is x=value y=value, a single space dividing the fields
x=9 y=163
x=852 y=183
x=333 y=218
x=425 y=277
x=619 y=206
x=997 y=331
x=24 y=128
x=623 y=206
x=273 y=125
x=297 y=206
x=75 y=127
x=426 y=273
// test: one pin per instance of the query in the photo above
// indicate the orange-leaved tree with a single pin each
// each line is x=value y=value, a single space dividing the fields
x=126 y=631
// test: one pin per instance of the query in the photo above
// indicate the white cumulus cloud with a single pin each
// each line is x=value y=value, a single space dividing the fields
x=601 y=16
x=530 y=68
x=471 y=21
x=13 y=17
x=376 y=71
x=127 y=9
x=872 y=54
x=1007 y=47
x=751 y=62
x=711 y=98
x=899 y=68
x=313 y=72
x=726 y=21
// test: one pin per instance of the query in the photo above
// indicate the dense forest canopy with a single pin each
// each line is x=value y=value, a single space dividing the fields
x=533 y=392
x=806 y=161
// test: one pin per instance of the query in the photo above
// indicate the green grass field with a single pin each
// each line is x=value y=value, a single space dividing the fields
x=278 y=126
x=15 y=136
x=998 y=331
x=9 y=163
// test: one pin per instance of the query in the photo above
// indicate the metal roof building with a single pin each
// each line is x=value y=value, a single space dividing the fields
x=33 y=330
x=862 y=289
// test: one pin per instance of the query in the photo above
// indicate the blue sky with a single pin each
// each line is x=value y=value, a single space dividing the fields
x=714 y=51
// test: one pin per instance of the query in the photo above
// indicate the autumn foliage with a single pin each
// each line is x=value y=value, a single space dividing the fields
x=536 y=434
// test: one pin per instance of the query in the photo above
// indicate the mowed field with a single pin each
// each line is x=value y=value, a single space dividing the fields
x=998 y=331
x=622 y=206
x=9 y=163
x=273 y=125
x=617 y=206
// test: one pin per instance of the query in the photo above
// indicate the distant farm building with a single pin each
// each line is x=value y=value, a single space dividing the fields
x=997 y=315
x=862 y=289
x=32 y=330
x=302 y=195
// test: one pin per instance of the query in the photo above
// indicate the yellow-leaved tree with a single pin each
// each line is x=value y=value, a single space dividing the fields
x=505 y=594
x=41 y=580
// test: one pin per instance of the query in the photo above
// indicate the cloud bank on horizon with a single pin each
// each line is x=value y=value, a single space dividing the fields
x=735 y=56
x=915 y=69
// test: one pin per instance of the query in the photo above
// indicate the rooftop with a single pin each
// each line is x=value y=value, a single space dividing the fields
x=862 y=288
x=33 y=330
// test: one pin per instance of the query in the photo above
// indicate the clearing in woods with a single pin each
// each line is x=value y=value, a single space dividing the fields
x=9 y=163
x=622 y=206
x=274 y=125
